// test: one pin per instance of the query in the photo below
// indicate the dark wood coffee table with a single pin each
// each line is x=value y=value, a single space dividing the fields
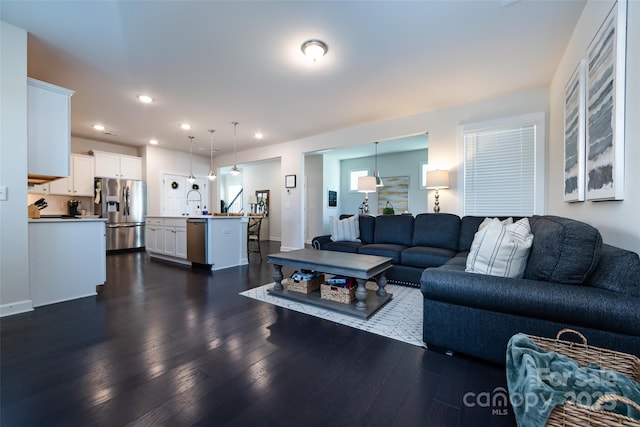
x=360 y=267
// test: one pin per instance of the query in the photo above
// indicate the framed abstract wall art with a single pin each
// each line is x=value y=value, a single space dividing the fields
x=396 y=192
x=574 y=135
x=606 y=62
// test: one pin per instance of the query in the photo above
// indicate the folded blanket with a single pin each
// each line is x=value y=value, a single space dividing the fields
x=539 y=380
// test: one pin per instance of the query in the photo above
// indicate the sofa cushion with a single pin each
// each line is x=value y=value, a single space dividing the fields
x=383 y=249
x=617 y=271
x=564 y=250
x=394 y=229
x=345 y=230
x=468 y=228
x=460 y=260
x=367 y=227
x=351 y=247
x=421 y=256
x=436 y=230
x=499 y=249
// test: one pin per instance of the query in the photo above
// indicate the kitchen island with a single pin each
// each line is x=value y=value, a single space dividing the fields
x=226 y=239
x=67 y=258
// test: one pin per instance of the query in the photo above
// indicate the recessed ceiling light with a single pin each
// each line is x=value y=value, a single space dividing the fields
x=146 y=99
x=185 y=126
x=259 y=135
x=98 y=127
x=153 y=141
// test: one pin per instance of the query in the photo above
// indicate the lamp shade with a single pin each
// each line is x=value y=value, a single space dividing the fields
x=252 y=199
x=366 y=184
x=437 y=179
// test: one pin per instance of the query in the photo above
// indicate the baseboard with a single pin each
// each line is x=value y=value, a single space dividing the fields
x=16 y=308
x=170 y=259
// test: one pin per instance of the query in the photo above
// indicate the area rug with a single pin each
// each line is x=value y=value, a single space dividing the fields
x=400 y=319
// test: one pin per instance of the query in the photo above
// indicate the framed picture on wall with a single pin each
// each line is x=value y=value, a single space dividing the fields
x=606 y=59
x=574 y=135
x=333 y=199
x=290 y=181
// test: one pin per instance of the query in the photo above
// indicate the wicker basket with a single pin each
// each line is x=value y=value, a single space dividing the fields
x=337 y=293
x=304 y=286
x=572 y=414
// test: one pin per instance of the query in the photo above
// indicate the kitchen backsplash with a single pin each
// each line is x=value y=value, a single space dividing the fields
x=58 y=205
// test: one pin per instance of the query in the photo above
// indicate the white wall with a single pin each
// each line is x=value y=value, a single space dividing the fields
x=158 y=161
x=331 y=181
x=83 y=146
x=441 y=126
x=316 y=196
x=15 y=295
x=265 y=176
x=618 y=221
x=396 y=164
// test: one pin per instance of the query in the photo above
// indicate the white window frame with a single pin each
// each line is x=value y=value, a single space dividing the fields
x=536 y=119
x=353 y=178
x=424 y=167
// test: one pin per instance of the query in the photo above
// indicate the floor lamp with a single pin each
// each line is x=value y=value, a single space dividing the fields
x=366 y=185
x=437 y=180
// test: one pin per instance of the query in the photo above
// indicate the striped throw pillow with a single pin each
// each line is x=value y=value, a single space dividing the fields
x=345 y=230
x=501 y=250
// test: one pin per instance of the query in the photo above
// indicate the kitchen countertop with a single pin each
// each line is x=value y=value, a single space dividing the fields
x=85 y=219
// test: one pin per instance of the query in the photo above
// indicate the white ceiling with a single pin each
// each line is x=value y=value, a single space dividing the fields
x=213 y=62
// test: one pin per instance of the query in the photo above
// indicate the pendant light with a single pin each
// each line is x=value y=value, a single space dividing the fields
x=211 y=175
x=191 y=178
x=234 y=170
x=376 y=173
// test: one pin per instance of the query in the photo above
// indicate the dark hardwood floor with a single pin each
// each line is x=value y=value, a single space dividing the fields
x=165 y=345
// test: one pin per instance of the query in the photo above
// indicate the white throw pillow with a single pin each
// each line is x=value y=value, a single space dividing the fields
x=345 y=230
x=501 y=250
x=488 y=220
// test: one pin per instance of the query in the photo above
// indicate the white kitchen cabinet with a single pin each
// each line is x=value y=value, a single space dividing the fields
x=111 y=165
x=154 y=235
x=80 y=182
x=49 y=131
x=39 y=189
x=167 y=238
x=175 y=237
x=181 y=242
x=130 y=167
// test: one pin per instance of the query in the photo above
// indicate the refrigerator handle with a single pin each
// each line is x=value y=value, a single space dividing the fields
x=125 y=197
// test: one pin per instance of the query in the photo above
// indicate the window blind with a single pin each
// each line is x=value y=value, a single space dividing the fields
x=499 y=171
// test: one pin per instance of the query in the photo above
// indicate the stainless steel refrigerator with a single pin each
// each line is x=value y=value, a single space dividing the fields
x=123 y=202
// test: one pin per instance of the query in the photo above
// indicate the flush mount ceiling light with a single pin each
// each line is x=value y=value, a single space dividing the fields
x=234 y=170
x=258 y=135
x=98 y=127
x=314 y=49
x=145 y=99
x=191 y=178
x=185 y=126
x=211 y=175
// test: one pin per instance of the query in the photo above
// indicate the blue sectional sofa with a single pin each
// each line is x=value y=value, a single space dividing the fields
x=571 y=280
x=428 y=240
